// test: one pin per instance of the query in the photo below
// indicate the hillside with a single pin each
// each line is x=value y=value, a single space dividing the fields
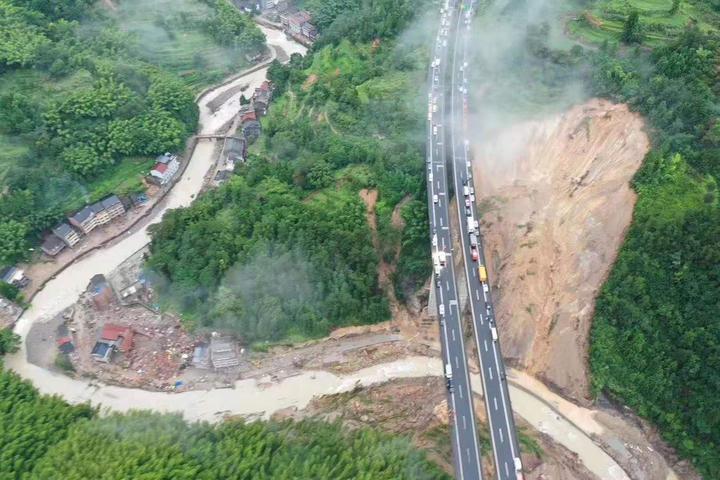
x=291 y=254
x=83 y=109
x=656 y=329
x=556 y=202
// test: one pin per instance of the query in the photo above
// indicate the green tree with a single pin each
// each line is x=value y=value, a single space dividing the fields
x=13 y=241
x=675 y=8
x=9 y=341
x=632 y=29
x=18 y=114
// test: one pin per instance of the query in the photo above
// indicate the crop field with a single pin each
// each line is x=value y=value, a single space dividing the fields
x=604 y=20
x=170 y=33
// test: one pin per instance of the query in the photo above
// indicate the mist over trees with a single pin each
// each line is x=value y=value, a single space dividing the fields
x=656 y=332
x=80 y=110
x=284 y=249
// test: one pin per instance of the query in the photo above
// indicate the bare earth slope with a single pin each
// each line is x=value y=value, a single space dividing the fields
x=556 y=201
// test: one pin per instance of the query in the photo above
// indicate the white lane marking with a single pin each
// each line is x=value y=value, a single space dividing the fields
x=482 y=322
x=473 y=270
x=507 y=470
x=484 y=295
x=504 y=401
x=495 y=402
x=464 y=419
x=438 y=184
x=460 y=392
x=443 y=243
x=457 y=363
x=477 y=295
x=441 y=221
x=486 y=347
x=490 y=373
x=447 y=285
x=502 y=439
x=453 y=334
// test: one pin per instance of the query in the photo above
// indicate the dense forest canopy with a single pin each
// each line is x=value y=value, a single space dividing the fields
x=284 y=249
x=82 y=112
x=44 y=438
x=656 y=331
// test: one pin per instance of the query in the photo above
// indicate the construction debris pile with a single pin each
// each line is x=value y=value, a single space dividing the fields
x=130 y=345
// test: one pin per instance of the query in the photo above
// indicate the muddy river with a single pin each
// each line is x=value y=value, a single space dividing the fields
x=248 y=396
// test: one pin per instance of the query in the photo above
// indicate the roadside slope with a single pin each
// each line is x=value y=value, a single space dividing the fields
x=556 y=202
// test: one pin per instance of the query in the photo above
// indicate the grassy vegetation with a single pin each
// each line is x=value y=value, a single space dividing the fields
x=656 y=333
x=604 y=19
x=91 y=91
x=167 y=33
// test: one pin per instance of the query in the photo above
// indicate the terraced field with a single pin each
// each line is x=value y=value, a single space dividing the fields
x=604 y=19
x=169 y=33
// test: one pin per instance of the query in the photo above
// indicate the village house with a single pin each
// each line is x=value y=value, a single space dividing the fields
x=166 y=166
x=112 y=338
x=97 y=214
x=235 y=152
x=66 y=233
x=52 y=245
x=250 y=126
x=298 y=24
x=261 y=98
x=14 y=276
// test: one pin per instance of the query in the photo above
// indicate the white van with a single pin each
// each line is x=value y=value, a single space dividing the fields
x=448 y=371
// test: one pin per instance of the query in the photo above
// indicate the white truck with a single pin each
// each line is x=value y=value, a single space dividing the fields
x=473 y=240
x=448 y=371
x=471 y=224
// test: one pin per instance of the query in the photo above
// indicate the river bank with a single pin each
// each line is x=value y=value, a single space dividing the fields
x=256 y=398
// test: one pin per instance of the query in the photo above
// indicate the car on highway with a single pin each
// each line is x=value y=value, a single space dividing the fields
x=467 y=202
x=474 y=254
x=434 y=240
x=493 y=332
x=436 y=199
x=442 y=309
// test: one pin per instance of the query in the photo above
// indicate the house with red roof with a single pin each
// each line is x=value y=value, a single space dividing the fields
x=113 y=338
x=166 y=166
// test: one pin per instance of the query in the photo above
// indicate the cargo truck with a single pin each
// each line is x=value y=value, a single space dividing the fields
x=482 y=272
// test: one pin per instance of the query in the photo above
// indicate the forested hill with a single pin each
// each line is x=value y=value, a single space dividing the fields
x=44 y=438
x=84 y=108
x=656 y=333
x=284 y=250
